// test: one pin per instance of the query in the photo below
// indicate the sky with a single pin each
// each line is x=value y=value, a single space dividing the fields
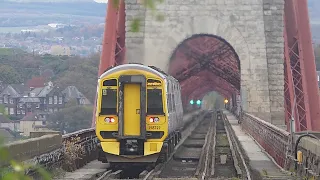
x=101 y=1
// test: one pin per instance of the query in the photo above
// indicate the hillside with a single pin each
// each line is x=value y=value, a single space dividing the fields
x=17 y=67
x=25 y=13
x=14 y=14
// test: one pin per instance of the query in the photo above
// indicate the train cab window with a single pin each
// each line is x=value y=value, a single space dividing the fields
x=110 y=82
x=154 y=101
x=109 y=102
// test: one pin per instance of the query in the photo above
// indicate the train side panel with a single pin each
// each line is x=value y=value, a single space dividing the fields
x=174 y=107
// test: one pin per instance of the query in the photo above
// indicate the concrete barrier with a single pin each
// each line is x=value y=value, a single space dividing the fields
x=27 y=149
x=42 y=133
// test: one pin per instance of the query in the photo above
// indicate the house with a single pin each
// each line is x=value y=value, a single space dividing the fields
x=27 y=105
x=10 y=96
x=35 y=82
x=20 y=101
x=71 y=92
x=32 y=123
x=51 y=98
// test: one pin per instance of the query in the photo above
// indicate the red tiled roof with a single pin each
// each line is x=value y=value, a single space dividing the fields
x=36 y=82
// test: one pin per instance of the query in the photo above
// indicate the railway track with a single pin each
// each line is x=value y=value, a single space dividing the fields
x=148 y=172
x=191 y=157
x=208 y=150
x=227 y=161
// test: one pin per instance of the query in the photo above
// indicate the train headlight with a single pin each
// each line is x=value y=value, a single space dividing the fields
x=156 y=119
x=109 y=120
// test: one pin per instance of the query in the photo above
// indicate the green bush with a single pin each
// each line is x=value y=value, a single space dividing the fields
x=17 y=169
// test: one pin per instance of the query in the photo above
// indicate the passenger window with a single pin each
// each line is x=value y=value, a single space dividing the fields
x=109 y=102
x=154 y=102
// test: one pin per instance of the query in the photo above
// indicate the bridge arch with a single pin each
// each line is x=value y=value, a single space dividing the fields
x=155 y=44
x=203 y=63
x=160 y=47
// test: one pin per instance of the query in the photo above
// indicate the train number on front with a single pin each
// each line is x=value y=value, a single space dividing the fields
x=154 y=127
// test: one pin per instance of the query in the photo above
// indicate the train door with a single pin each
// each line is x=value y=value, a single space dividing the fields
x=131 y=109
x=132 y=102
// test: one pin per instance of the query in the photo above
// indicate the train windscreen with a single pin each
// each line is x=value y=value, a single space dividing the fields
x=154 y=101
x=109 y=102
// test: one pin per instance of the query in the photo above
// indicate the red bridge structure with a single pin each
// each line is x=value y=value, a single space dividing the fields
x=205 y=62
x=260 y=51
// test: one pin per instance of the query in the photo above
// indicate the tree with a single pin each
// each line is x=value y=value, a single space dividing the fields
x=9 y=75
x=83 y=75
x=71 y=119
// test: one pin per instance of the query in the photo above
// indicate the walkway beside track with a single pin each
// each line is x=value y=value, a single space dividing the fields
x=94 y=168
x=89 y=171
x=259 y=161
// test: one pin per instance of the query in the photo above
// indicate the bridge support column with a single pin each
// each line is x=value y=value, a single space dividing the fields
x=273 y=27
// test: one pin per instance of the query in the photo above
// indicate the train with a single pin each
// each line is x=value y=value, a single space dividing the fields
x=139 y=115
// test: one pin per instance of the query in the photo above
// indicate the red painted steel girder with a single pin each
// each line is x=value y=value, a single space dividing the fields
x=214 y=87
x=113 y=46
x=202 y=91
x=205 y=52
x=301 y=89
x=203 y=78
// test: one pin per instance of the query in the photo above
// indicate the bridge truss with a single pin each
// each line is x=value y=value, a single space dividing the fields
x=301 y=91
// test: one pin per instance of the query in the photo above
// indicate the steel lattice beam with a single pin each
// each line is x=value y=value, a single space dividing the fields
x=205 y=77
x=301 y=87
x=197 y=84
x=201 y=92
x=205 y=53
x=205 y=88
x=113 y=46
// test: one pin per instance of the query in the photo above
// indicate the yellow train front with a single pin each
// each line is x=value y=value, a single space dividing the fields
x=139 y=114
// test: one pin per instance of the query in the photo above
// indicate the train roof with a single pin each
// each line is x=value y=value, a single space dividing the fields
x=151 y=69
